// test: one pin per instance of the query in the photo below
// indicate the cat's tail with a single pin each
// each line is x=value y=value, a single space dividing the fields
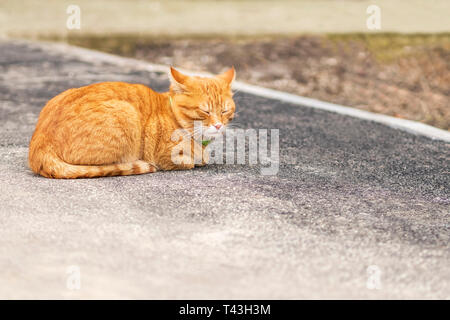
x=49 y=165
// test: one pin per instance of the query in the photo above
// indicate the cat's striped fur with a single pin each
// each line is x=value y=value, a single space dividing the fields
x=116 y=128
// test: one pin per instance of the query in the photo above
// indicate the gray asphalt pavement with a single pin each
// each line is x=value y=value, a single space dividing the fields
x=349 y=194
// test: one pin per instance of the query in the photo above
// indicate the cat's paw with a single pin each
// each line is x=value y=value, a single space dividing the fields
x=141 y=166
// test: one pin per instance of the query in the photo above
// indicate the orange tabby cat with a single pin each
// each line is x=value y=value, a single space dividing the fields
x=116 y=128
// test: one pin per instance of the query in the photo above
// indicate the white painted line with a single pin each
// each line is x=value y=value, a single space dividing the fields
x=401 y=124
x=410 y=126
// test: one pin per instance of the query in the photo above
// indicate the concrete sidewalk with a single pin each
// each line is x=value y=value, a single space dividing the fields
x=349 y=194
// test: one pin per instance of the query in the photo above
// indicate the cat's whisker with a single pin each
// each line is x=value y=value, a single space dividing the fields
x=236 y=91
x=233 y=124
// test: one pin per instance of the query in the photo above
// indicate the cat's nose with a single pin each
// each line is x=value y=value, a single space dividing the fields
x=218 y=126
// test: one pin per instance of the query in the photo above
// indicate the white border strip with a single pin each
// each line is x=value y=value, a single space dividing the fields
x=410 y=126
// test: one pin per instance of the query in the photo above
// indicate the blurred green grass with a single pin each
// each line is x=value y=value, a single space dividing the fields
x=385 y=47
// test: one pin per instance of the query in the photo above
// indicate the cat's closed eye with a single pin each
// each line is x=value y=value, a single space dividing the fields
x=204 y=108
x=204 y=113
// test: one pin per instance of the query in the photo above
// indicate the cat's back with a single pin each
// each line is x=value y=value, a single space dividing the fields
x=100 y=92
x=92 y=104
x=76 y=101
x=99 y=124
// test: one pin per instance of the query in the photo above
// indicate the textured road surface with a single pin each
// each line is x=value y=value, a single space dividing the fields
x=349 y=194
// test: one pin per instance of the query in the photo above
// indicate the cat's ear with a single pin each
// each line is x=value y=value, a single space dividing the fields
x=177 y=80
x=228 y=76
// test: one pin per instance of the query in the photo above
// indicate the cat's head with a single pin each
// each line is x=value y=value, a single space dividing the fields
x=209 y=100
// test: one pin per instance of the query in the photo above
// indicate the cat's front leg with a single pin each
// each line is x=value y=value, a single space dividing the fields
x=182 y=162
